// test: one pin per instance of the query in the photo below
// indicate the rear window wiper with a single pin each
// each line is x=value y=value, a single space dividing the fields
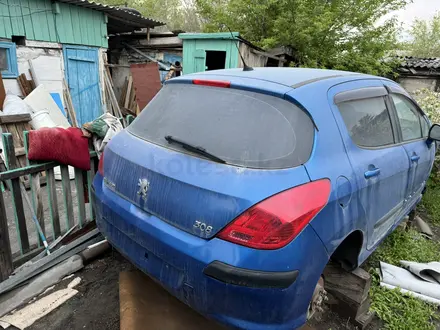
x=195 y=149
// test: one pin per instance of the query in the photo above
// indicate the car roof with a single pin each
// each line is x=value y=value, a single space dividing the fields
x=292 y=77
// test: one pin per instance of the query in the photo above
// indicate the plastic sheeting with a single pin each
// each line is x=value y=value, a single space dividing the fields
x=14 y=105
x=421 y=284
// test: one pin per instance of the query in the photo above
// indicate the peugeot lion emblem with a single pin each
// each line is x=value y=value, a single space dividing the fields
x=143 y=185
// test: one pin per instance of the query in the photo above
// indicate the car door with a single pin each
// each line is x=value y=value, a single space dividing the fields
x=380 y=164
x=414 y=130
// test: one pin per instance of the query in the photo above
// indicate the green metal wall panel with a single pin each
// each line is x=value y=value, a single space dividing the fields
x=16 y=14
x=27 y=20
x=5 y=21
x=192 y=49
x=37 y=20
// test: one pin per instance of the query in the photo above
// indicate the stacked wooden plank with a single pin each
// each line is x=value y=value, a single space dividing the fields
x=351 y=291
x=127 y=101
x=26 y=86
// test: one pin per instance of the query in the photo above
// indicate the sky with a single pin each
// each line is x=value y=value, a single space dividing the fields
x=424 y=9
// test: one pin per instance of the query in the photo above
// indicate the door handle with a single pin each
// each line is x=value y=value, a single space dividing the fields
x=372 y=173
x=415 y=158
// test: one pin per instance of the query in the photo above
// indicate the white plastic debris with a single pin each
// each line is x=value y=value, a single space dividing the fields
x=396 y=277
x=14 y=105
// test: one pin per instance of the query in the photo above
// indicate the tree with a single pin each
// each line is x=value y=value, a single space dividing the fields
x=177 y=14
x=425 y=38
x=338 y=34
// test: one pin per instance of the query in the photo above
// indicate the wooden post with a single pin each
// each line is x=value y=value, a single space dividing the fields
x=53 y=203
x=6 y=267
x=17 y=199
x=37 y=199
x=2 y=92
x=67 y=195
x=79 y=182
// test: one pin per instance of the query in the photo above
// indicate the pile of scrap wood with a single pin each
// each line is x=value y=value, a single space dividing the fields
x=64 y=256
x=127 y=100
x=26 y=86
x=349 y=293
x=113 y=104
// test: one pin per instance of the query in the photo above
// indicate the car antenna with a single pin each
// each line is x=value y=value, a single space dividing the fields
x=245 y=66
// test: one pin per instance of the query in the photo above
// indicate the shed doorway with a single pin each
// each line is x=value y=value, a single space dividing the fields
x=215 y=60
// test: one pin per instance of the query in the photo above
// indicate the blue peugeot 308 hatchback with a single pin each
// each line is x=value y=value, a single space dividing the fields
x=234 y=189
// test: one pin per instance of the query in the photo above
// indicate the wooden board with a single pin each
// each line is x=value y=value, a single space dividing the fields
x=2 y=92
x=129 y=92
x=20 y=219
x=142 y=302
x=53 y=203
x=15 y=119
x=352 y=287
x=6 y=267
x=67 y=195
x=16 y=125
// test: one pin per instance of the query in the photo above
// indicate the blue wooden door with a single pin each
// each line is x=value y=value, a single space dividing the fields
x=82 y=75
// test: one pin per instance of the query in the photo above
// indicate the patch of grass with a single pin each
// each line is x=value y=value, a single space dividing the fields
x=431 y=201
x=397 y=310
x=405 y=245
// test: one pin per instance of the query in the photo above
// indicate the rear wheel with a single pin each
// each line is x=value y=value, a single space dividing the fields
x=318 y=298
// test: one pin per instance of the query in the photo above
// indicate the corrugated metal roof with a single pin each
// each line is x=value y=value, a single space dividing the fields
x=120 y=19
x=421 y=63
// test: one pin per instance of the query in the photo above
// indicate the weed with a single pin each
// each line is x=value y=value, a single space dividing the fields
x=405 y=245
x=431 y=200
x=400 y=311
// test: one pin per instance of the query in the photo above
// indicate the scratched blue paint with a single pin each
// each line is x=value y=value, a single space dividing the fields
x=82 y=75
x=156 y=234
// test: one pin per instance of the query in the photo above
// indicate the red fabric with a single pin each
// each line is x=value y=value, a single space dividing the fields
x=65 y=146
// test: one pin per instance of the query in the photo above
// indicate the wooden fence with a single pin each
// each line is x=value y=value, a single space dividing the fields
x=13 y=178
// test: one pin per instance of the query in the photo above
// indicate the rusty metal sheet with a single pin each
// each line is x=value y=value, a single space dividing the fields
x=146 y=80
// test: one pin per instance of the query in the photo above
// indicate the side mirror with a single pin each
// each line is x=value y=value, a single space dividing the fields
x=434 y=133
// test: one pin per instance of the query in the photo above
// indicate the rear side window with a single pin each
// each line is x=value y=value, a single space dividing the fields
x=425 y=127
x=409 y=118
x=368 y=122
x=243 y=128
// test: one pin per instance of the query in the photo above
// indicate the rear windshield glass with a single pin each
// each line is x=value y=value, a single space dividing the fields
x=243 y=128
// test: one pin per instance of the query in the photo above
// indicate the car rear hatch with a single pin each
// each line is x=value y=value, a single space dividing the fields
x=259 y=142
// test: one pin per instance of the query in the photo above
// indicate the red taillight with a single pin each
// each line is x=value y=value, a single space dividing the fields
x=212 y=83
x=276 y=221
x=101 y=165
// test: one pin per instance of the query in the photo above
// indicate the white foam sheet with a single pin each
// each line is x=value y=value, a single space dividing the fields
x=40 y=99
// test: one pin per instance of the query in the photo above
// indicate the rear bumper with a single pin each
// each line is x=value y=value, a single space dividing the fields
x=238 y=286
x=251 y=278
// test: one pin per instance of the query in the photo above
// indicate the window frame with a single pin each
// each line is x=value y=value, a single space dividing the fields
x=361 y=96
x=11 y=55
x=420 y=112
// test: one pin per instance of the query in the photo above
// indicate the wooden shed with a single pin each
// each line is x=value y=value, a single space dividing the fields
x=62 y=39
x=213 y=51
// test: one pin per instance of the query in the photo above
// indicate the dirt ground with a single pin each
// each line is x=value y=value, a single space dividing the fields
x=96 y=306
